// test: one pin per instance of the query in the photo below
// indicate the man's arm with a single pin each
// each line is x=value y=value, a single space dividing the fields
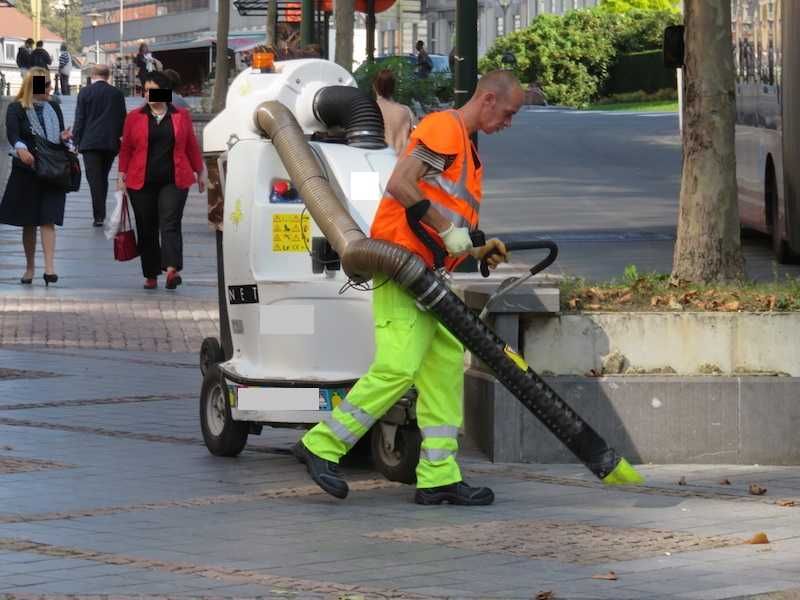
x=80 y=118
x=402 y=186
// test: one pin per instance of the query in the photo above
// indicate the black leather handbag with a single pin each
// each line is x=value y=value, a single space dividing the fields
x=53 y=163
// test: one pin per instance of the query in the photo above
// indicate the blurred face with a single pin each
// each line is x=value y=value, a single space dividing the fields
x=498 y=110
x=152 y=85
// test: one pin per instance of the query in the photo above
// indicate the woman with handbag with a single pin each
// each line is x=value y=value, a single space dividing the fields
x=158 y=163
x=35 y=195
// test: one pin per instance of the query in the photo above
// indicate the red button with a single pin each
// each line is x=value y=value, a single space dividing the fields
x=280 y=187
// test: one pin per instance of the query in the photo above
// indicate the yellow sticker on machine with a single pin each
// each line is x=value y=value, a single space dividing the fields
x=291 y=232
x=518 y=360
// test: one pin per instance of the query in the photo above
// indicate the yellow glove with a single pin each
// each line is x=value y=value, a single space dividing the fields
x=493 y=252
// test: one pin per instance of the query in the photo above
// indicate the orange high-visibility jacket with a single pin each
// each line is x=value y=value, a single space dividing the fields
x=456 y=193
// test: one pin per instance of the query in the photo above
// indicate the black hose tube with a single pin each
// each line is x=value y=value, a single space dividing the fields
x=530 y=389
x=350 y=108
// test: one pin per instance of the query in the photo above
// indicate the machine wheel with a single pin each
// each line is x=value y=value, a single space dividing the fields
x=223 y=435
x=396 y=459
x=210 y=354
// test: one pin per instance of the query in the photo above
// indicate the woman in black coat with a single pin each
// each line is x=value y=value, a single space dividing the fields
x=28 y=201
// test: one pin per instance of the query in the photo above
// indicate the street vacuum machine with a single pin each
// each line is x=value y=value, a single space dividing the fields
x=302 y=166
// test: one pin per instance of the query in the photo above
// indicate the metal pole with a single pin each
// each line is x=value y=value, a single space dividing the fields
x=466 y=58
x=370 y=31
x=121 y=24
x=307 y=23
x=97 y=52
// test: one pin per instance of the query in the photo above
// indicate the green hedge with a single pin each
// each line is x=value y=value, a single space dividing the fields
x=639 y=71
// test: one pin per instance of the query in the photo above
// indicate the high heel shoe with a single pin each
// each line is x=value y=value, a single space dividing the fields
x=49 y=278
x=26 y=280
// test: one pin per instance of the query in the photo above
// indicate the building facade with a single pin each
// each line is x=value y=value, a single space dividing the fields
x=495 y=19
x=159 y=23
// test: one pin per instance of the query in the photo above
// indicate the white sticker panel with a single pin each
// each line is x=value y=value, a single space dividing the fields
x=258 y=398
x=283 y=319
x=365 y=186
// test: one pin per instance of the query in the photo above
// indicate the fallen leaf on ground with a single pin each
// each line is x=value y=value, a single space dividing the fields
x=725 y=482
x=610 y=576
x=625 y=298
x=593 y=306
x=655 y=301
x=682 y=481
x=756 y=490
x=545 y=596
x=732 y=306
x=594 y=373
x=786 y=503
x=574 y=303
x=759 y=538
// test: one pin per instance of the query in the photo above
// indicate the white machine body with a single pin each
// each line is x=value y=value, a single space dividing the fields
x=298 y=342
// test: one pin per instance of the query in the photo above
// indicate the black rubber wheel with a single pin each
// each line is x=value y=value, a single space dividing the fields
x=400 y=464
x=223 y=435
x=779 y=246
x=210 y=354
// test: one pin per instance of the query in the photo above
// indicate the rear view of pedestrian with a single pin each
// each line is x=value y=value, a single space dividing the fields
x=41 y=57
x=64 y=69
x=398 y=120
x=158 y=163
x=24 y=57
x=99 y=118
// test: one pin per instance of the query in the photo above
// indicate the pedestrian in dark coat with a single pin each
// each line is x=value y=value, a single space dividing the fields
x=29 y=202
x=41 y=57
x=99 y=118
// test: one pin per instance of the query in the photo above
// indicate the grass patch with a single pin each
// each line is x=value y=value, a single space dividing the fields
x=653 y=292
x=658 y=106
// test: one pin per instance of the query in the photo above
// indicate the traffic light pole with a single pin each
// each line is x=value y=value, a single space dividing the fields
x=307 y=23
x=466 y=58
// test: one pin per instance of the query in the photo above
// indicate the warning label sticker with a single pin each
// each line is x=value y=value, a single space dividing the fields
x=290 y=233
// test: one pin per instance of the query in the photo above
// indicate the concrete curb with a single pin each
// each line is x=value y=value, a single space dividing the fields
x=666 y=420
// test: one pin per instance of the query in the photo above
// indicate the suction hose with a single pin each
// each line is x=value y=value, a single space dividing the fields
x=362 y=258
x=352 y=109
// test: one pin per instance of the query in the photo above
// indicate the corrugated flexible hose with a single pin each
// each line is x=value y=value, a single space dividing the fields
x=362 y=258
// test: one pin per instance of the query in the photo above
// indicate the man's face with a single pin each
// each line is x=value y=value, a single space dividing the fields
x=497 y=110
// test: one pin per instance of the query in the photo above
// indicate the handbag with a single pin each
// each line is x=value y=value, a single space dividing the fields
x=52 y=163
x=75 y=172
x=125 y=247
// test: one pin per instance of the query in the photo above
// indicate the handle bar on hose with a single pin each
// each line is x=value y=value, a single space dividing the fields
x=529 y=245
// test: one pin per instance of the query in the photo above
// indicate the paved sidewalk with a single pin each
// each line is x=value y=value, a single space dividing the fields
x=106 y=489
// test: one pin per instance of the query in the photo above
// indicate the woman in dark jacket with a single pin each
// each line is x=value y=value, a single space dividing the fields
x=158 y=162
x=29 y=202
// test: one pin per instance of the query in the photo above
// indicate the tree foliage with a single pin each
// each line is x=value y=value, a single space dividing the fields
x=53 y=19
x=408 y=86
x=570 y=56
x=622 y=6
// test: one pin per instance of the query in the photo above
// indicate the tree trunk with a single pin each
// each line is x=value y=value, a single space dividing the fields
x=708 y=247
x=221 y=69
x=272 y=19
x=344 y=15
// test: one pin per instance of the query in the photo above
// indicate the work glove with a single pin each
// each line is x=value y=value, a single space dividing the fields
x=456 y=240
x=493 y=252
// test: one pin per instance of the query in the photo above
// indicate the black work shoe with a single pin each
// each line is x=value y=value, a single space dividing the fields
x=324 y=472
x=456 y=493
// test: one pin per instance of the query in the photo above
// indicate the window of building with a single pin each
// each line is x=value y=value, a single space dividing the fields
x=517 y=22
x=11 y=52
x=500 y=26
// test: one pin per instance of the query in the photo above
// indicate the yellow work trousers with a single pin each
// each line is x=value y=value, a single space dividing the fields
x=411 y=348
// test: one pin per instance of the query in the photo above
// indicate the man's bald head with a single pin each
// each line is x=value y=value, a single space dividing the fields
x=101 y=72
x=497 y=99
x=501 y=82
